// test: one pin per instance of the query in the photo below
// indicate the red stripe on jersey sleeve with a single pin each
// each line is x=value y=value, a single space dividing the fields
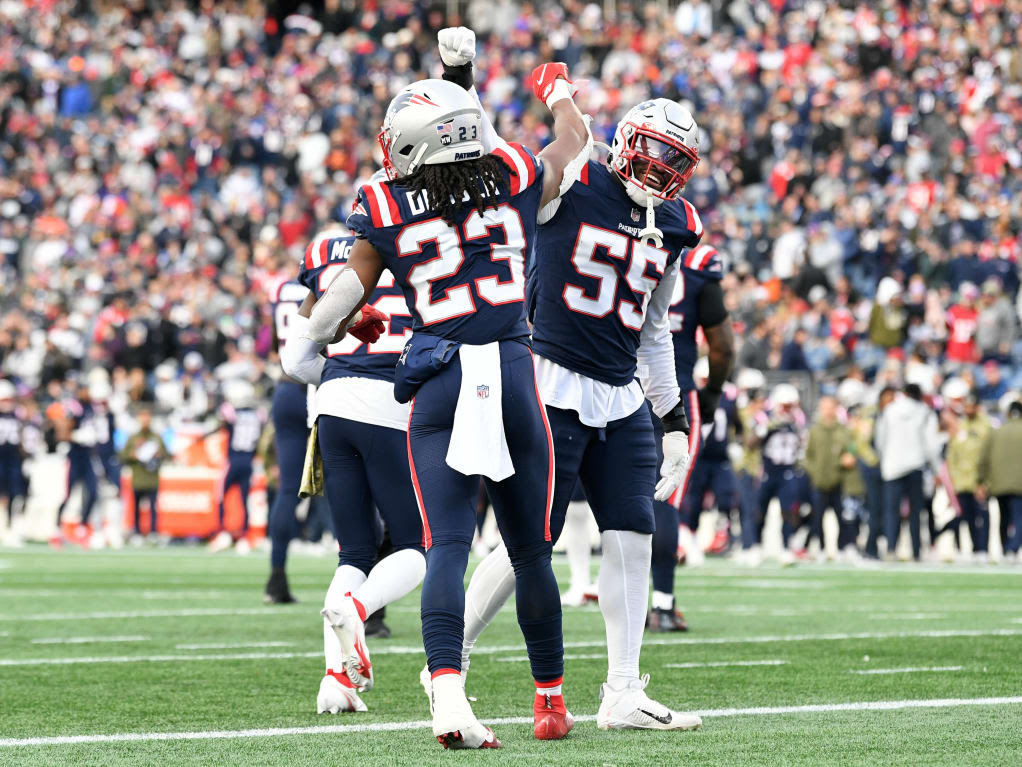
x=395 y=211
x=530 y=163
x=516 y=183
x=324 y=252
x=308 y=255
x=584 y=175
x=694 y=224
x=374 y=205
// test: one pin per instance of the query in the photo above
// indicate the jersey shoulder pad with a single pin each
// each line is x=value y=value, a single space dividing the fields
x=375 y=208
x=680 y=219
x=705 y=259
x=523 y=166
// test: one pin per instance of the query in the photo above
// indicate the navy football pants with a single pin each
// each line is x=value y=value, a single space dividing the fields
x=80 y=469
x=785 y=485
x=616 y=466
x=521 y=504
x=365 y=465
x=291 y=433
x=239 y=472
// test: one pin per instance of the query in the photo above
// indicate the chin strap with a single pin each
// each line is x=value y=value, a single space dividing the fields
x=651 y=235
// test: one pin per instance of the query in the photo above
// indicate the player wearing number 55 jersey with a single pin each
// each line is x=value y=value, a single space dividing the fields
x=599 y=293
x=454 y=226
x=362 y=436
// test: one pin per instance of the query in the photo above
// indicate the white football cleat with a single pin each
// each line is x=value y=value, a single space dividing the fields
x=632 y=709
x=242 y=547
x=351 y=633
x=454 y=724
x=337 y=694
x=221 y=542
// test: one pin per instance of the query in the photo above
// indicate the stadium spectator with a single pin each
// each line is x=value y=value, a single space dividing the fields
x=907 y=443
x=1000 y=478
x=824 y=462
x=142 y=455
x=995 y=324
x=968 y=430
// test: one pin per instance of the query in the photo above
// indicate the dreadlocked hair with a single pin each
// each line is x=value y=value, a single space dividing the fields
x=445 y=184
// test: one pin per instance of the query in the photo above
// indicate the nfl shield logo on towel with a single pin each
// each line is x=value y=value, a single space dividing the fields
x=635 y=214
x=482 y=391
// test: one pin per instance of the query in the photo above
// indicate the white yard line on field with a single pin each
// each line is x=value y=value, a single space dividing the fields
x=567 y=656
x=907 y=616
x=188 y=612
x=343 y=729
x=906 y=670
x=517 y=649
x=230 y=646
x=726 y=663
x=89 y=640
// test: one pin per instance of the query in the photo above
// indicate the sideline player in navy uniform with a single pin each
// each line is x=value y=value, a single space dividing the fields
x=698 y=302
x=454 y=227
x=362 y=432
x=290 y=433
x=244 y=424
x=12 y=452
x=600 y=286
x=77 y=429
x=713 y=472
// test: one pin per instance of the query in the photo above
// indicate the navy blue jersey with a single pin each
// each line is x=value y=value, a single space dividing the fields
x=285 y=301
x=324 y=259
x=717 y=432
x=701 y=266
x=782 y=443
x=103 y=426
x=463 y=280
x=591 y=279
x=244 y=425
x=83 y=431
x=11 y=428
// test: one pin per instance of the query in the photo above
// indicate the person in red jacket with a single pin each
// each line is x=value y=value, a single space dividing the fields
x=961 y=321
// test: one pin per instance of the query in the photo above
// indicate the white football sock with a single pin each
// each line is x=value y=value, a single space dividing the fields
x=576 y=544
x=346 y=578
x=624 y=590
x=390 y=579
x=492 y=584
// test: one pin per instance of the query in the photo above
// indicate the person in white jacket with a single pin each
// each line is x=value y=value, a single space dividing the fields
x=907 y=441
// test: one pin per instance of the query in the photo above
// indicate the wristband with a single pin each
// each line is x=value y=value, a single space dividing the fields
x=676 y=420
x=559 y=91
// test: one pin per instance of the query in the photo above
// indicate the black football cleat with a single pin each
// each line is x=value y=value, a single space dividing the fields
x=375 y=627
x=660 y=620
x=277 y=591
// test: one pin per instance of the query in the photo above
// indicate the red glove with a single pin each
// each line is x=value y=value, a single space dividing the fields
x=543 y=77
x=371 y=324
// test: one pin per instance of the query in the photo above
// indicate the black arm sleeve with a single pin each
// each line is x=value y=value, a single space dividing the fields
x=711 y=305
x=460 y=75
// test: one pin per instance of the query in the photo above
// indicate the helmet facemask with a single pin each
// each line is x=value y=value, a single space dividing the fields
x=655 y=162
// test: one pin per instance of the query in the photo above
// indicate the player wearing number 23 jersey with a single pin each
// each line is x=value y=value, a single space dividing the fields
x=454 y=226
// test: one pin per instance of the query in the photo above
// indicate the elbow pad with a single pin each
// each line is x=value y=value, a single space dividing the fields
x=300 y=357
x=334 y=306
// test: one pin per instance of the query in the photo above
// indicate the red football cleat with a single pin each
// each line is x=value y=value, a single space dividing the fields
x=551 y=719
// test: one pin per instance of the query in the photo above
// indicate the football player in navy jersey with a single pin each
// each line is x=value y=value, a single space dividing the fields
x=713 y=472
x=244 y=424
x=600 y=285
x=103 y=424
x=77 y=429
x=782 y=440
x=290 y=433
x=12 y=452
x=362 y=433
x=454 y=225
x=697 y=303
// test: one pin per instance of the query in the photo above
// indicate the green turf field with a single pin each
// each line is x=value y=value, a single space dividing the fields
x=178 y=641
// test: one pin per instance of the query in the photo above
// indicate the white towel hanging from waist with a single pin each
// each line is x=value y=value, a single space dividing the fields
x=478 y=443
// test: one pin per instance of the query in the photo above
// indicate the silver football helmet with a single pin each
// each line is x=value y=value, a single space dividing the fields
x=428 y=123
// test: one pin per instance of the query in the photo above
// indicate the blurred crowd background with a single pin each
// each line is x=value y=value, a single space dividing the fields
x=163 y=164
